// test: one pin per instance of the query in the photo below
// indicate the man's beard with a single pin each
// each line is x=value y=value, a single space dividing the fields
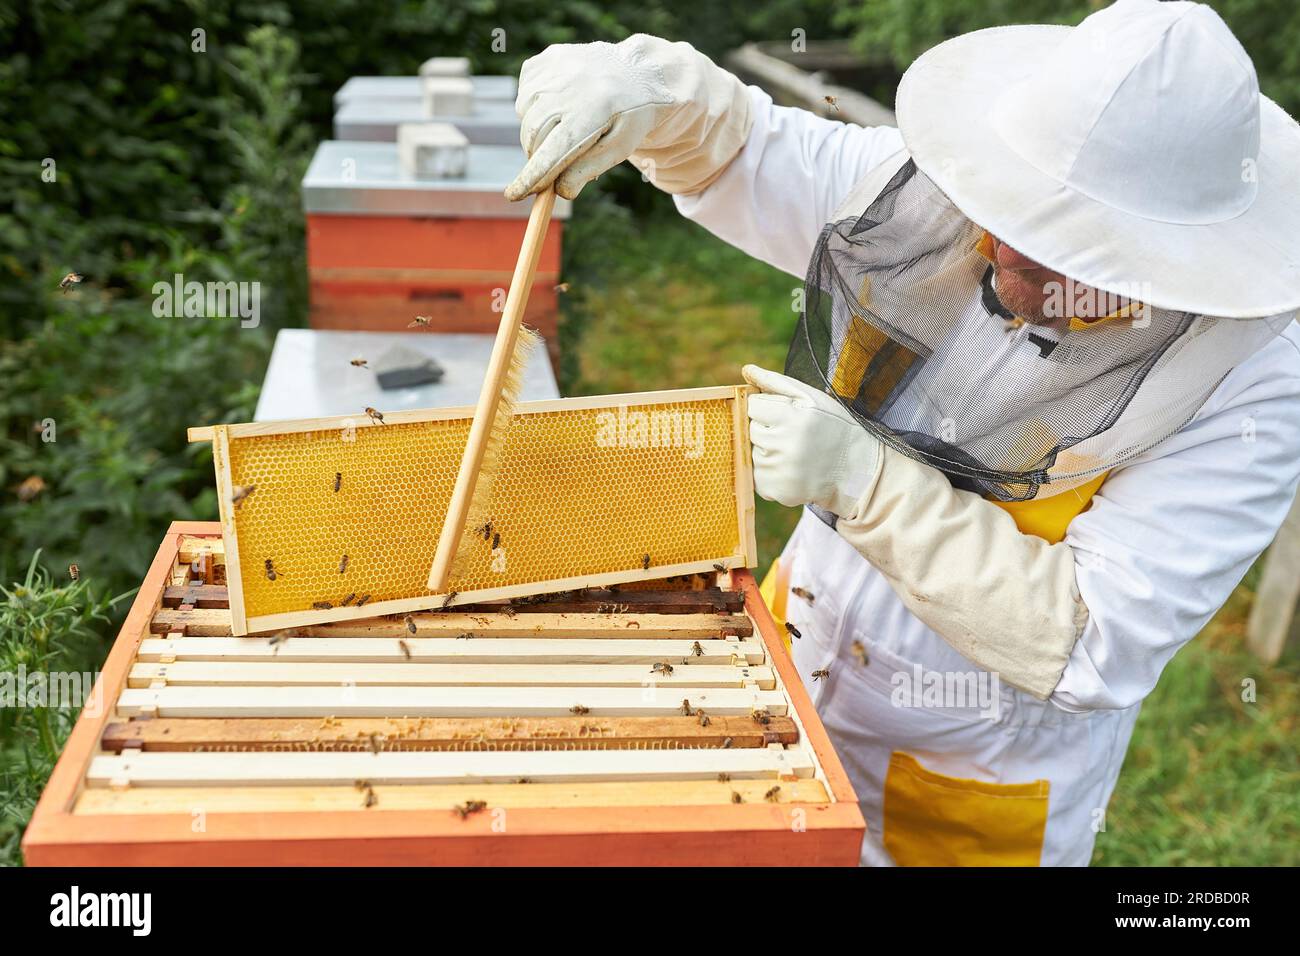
x=1020 y=296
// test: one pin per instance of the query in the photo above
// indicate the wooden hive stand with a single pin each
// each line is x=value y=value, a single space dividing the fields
x=543 y=732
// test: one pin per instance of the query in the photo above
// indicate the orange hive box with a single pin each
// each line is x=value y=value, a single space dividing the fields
x=643 y=726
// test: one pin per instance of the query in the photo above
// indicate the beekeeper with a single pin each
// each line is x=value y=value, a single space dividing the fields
x=1042 y=402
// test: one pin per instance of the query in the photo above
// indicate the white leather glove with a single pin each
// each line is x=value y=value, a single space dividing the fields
x=807 y=448
x=585 y=107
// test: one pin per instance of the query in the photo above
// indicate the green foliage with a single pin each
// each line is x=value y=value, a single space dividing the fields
x=44 y=628
x=901 y=30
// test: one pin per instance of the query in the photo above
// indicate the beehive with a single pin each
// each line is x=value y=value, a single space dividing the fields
x=539 y=734
x=345 y=515
x=384 y=246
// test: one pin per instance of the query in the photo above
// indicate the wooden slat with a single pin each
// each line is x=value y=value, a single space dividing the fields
x=215 y=622
x=445 y=650
x=429 y=767
x=597 y=600
x=202 y=433
x=663 y=793
x=411 y=674
x=191 y=546
x=442 y=702
x=196 y=595
x=446 y=733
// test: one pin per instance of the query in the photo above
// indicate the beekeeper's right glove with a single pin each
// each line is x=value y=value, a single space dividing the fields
x=586 y=107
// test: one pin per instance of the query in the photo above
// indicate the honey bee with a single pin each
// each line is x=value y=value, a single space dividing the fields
x=704 y=718
x=321 y=605
x=562 y=287
x=773 y=795
x=860 y=652
x=406 y=649
x=375 y=416
x=686 y=708
x=832 y=102
x=279 y=637
x=465 y=636
x=363 y=599
x=736 y=797
x=343 y=565
x=240 y=492
x=69 y=280
x=508 y=610
x=338 y=481
x=761 y=715
x=523 y=780
x=419 y=322
x=270 y=570
x=371 y=799
x=726 y=743
x=496 y=540
x=469 y=807
x=645 y=562
x=724 y=778
x=74 y=572
x=30 y=487
x=347 y=600
x=662 y=668
x=486 y=530
x=794 y=631
x=697 y=649
x=579 y=711
x=376 y=744
x=720 y=568
x=451 y=596
x=359 y=362
x=802 y=593
x=410 y=623
x=821 y=673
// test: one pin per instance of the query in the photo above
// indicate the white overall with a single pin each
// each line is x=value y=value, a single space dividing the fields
x=1166 y=539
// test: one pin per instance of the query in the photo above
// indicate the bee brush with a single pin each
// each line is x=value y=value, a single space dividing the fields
x=472 y=493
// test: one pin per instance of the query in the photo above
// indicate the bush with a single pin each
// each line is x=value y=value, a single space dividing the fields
x=44 y=628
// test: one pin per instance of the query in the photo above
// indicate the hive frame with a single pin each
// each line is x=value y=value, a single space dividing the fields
x=744 y=556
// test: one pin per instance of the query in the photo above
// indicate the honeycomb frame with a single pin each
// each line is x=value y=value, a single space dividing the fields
x=574 y=511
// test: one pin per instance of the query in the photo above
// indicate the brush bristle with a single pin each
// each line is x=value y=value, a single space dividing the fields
x=481 y=500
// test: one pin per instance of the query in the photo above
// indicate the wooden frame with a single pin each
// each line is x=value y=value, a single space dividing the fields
x=744 y=556
x=679 y=822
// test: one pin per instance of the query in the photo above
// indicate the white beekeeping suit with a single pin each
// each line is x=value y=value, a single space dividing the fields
x=994 y=595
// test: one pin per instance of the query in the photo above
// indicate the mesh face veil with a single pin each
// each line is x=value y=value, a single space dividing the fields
x=901 y=324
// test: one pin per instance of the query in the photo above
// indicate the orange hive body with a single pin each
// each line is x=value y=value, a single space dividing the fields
x=359 y=743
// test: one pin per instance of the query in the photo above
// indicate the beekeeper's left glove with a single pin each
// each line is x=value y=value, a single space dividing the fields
x=1005 y=600
x=807 y=448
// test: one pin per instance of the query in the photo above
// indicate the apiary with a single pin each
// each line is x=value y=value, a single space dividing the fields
x=385 y=245
x=338 y=518
x=658 y=723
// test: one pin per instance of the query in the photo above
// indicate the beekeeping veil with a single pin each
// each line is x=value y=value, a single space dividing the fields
x=1132 y=154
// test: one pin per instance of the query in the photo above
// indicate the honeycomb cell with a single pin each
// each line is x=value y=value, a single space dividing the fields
x=579 y=492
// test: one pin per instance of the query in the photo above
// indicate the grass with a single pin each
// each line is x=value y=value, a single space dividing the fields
x=1209 y=779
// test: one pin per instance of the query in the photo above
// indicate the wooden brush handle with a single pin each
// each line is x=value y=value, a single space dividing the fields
x=521 y=284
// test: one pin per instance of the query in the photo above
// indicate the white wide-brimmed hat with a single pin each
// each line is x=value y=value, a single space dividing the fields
x=1133 y=151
